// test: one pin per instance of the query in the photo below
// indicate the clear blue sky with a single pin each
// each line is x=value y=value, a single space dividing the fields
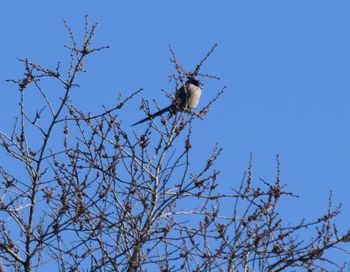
x=286 y=65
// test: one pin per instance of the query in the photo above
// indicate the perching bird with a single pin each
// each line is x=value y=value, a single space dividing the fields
x=186 y=99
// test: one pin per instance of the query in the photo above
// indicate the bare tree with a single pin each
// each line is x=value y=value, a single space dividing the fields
x=85 y=192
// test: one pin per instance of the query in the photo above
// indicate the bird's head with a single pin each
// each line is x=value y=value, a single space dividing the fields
x=195 y=82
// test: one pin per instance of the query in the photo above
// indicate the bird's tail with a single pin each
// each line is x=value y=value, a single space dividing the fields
x=153 y=115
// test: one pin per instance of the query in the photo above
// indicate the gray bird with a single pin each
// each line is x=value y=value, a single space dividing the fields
x=186 y=99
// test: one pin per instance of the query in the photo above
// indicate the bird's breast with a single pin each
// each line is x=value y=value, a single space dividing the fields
x=195 y=94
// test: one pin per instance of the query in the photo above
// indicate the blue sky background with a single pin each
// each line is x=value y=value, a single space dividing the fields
x=286 y=65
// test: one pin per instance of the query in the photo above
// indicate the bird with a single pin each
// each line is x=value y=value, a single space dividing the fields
x=186 y=99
